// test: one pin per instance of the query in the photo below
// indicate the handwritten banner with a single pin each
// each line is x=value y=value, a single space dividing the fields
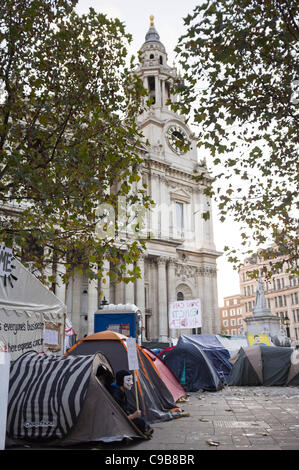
x=185 y=314
x=18 y=335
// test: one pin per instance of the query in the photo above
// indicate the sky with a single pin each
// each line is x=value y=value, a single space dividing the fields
x=168 y=19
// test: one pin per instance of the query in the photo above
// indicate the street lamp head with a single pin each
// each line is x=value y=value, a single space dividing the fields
x=286 y=321
x=104 y=301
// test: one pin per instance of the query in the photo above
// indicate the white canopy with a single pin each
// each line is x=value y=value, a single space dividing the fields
x=27 y=293
x=27 y=310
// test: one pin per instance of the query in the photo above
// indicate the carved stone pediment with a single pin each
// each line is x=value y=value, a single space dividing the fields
x=185 y=272
x=180 y=194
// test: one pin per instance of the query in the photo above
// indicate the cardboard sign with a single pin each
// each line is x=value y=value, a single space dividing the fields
x=52 y=337
x=132 y=354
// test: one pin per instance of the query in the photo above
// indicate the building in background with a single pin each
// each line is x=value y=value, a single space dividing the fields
x=231 y=316
x=281 y=292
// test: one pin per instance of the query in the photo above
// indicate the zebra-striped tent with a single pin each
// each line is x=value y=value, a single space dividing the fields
x=64 y=400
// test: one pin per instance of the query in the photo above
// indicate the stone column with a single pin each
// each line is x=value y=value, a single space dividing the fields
x=163 y=97
x=201 y=296
x=69 y=298
x=162 y=300
x=129 y=288
x=119 y=293
x=76 y=302
x=93 y=294
x=153 y=300
x=105 y=284
x=171 y=284
x=60 y=290
x=140 y=293
x=157 y=91
x=216 y=317
x=208 y=290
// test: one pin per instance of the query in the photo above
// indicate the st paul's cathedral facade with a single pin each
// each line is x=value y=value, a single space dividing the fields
x=180 y=258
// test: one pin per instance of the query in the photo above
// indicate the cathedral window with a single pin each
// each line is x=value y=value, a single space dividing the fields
x=167 y=91
x=151 y=88
x=180 y=296
x=180 y=215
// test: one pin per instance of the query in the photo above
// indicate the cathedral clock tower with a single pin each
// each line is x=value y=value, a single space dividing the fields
x=180 y=258
x=180 y=262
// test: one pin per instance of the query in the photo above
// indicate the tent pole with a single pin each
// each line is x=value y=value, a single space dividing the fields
x=136 y=391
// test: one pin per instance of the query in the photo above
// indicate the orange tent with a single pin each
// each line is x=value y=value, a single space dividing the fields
x=155 y=399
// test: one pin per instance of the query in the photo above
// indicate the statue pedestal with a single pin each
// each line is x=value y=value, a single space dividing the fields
x=268 y=325
x=263 y=324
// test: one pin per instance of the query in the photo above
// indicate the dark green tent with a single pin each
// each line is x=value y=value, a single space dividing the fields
x=264 y=365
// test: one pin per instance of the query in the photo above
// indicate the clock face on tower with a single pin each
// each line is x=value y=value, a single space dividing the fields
x=177 y=139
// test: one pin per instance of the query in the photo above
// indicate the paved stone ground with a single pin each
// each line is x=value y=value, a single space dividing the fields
x=237 y=418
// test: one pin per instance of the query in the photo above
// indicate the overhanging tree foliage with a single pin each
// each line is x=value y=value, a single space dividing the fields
x=67 y=134
x=240 y=63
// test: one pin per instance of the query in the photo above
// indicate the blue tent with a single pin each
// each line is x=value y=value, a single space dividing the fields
x=214 y=350
x=192 y=366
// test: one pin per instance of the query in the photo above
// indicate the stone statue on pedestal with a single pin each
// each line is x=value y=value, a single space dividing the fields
x=260 y=306
x=264 y=322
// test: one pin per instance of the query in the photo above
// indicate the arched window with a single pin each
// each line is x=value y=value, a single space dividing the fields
x=152 y=56
x=161 y=60
x=180 y=296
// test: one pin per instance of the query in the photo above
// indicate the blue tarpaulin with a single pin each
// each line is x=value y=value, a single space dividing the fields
x=213 y=349
x=190 y=363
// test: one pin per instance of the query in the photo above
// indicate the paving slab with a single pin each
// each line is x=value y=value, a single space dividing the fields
x=235 y=418
x=239 y=418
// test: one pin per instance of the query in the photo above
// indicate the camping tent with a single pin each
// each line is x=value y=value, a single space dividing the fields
x=264 y=365
x=27 y=308
x=293 y=377
x=166 y=375
x=215 y=351
x=192 y=367
x=63 y=401
x=232 y=343
x=154 y=398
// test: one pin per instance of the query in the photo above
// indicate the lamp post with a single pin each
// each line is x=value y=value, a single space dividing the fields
x=286 y=322
x=103 y=303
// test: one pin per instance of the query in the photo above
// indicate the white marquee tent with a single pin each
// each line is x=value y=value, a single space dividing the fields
x=31 y=316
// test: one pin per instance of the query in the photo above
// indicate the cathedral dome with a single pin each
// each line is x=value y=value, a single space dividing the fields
x=152 y=43
x=152 y=34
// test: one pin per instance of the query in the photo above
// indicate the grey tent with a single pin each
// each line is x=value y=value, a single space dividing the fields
x=264 y=365
x=64 y=401
x=293 y=377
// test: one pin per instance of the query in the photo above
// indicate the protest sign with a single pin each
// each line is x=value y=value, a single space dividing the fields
x=185 y=314
x=133 y=362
